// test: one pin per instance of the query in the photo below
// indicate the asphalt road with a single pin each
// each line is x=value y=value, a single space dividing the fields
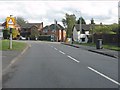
x=53 y=65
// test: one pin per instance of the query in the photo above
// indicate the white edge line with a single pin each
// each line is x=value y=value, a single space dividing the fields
x=55 y=48
x=73 y=58
x=61 y=52
x=104 y=76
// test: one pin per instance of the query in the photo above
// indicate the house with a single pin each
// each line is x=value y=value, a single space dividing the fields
x=81 y=36
x=55 y=30
x=31 y=30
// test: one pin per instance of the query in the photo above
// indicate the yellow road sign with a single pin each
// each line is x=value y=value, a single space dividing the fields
x=10 y=22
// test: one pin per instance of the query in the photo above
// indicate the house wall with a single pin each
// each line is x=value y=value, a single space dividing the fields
x=75 y=34
x=78 y=37
x=40 y=27
x=60 y=35
x=64 y=35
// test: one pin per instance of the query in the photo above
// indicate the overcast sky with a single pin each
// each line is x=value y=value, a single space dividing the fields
x=46 y=11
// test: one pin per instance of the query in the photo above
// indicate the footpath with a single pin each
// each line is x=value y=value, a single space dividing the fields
x=9 y=57
x=107 y=52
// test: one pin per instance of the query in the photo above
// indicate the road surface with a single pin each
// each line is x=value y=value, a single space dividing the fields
x=53 y=65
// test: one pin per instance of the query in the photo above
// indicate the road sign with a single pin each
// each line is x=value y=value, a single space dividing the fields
x=10 y=22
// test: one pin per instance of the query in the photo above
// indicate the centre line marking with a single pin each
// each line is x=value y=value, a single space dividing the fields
x=104 y=76
x=73 y=58
x=61 y=52
x=55 y=48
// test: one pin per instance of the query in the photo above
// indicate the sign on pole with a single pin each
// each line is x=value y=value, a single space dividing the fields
x=10 y=22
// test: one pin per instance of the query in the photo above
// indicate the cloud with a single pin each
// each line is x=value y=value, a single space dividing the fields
x=46 y=11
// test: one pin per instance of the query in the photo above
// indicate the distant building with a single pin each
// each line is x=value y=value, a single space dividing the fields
x=31 y=29
x=81 y=36
x=55 y=30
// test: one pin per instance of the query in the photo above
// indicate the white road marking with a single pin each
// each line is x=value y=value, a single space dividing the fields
x=73 y=58
x=55 y=48
x=61 y=52
x=104 y=76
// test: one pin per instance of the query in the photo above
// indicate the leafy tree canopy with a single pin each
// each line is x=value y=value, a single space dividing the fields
x=68 y=22
x=21 y=21
x=82 y=20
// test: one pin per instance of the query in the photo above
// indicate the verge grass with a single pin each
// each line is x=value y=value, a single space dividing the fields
x=4 y=45
x=106 y=46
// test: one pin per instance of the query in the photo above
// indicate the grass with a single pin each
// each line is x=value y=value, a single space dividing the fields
x=111 y=47
x=106 y=46
x=4 y=45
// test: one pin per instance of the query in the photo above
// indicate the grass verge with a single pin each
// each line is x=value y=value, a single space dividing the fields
x=106 y=46
x=16 y=45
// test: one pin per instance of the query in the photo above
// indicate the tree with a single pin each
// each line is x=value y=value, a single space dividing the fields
x=34 y=32
x=69 y=22
x=21 y=21
x=92 y=21
x=103 y=29
x=15 y=33
x=6 y=33
x=115 y=27
x=82 y=20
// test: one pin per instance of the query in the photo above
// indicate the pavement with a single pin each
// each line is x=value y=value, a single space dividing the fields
x=11 y=56
x=107 y=52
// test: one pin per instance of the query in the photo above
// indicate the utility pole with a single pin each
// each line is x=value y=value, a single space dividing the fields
x=80 y=24
x=92 y=35
x=57 y=33
x=92 y=24
x=80 y=20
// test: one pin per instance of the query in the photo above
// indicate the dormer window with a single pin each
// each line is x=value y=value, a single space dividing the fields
x=45 y=31
x=53 y=30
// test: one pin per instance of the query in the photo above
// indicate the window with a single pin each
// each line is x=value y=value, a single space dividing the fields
x=53 y=30
x=83 y=39
x=45 y=31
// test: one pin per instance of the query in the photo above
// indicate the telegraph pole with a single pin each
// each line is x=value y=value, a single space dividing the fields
x=80 y=20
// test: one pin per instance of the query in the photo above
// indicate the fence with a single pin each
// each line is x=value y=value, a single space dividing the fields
x=107 y=38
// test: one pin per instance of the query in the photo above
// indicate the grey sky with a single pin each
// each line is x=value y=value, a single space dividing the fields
x=46 y=11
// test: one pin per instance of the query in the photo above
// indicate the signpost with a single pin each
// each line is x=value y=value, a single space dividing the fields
x=10 y=23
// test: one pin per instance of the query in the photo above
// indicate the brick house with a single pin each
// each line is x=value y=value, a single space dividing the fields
x=31 y=30
x=56 y=30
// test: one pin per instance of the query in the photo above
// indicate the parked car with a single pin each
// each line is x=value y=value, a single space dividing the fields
x=22 y=38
